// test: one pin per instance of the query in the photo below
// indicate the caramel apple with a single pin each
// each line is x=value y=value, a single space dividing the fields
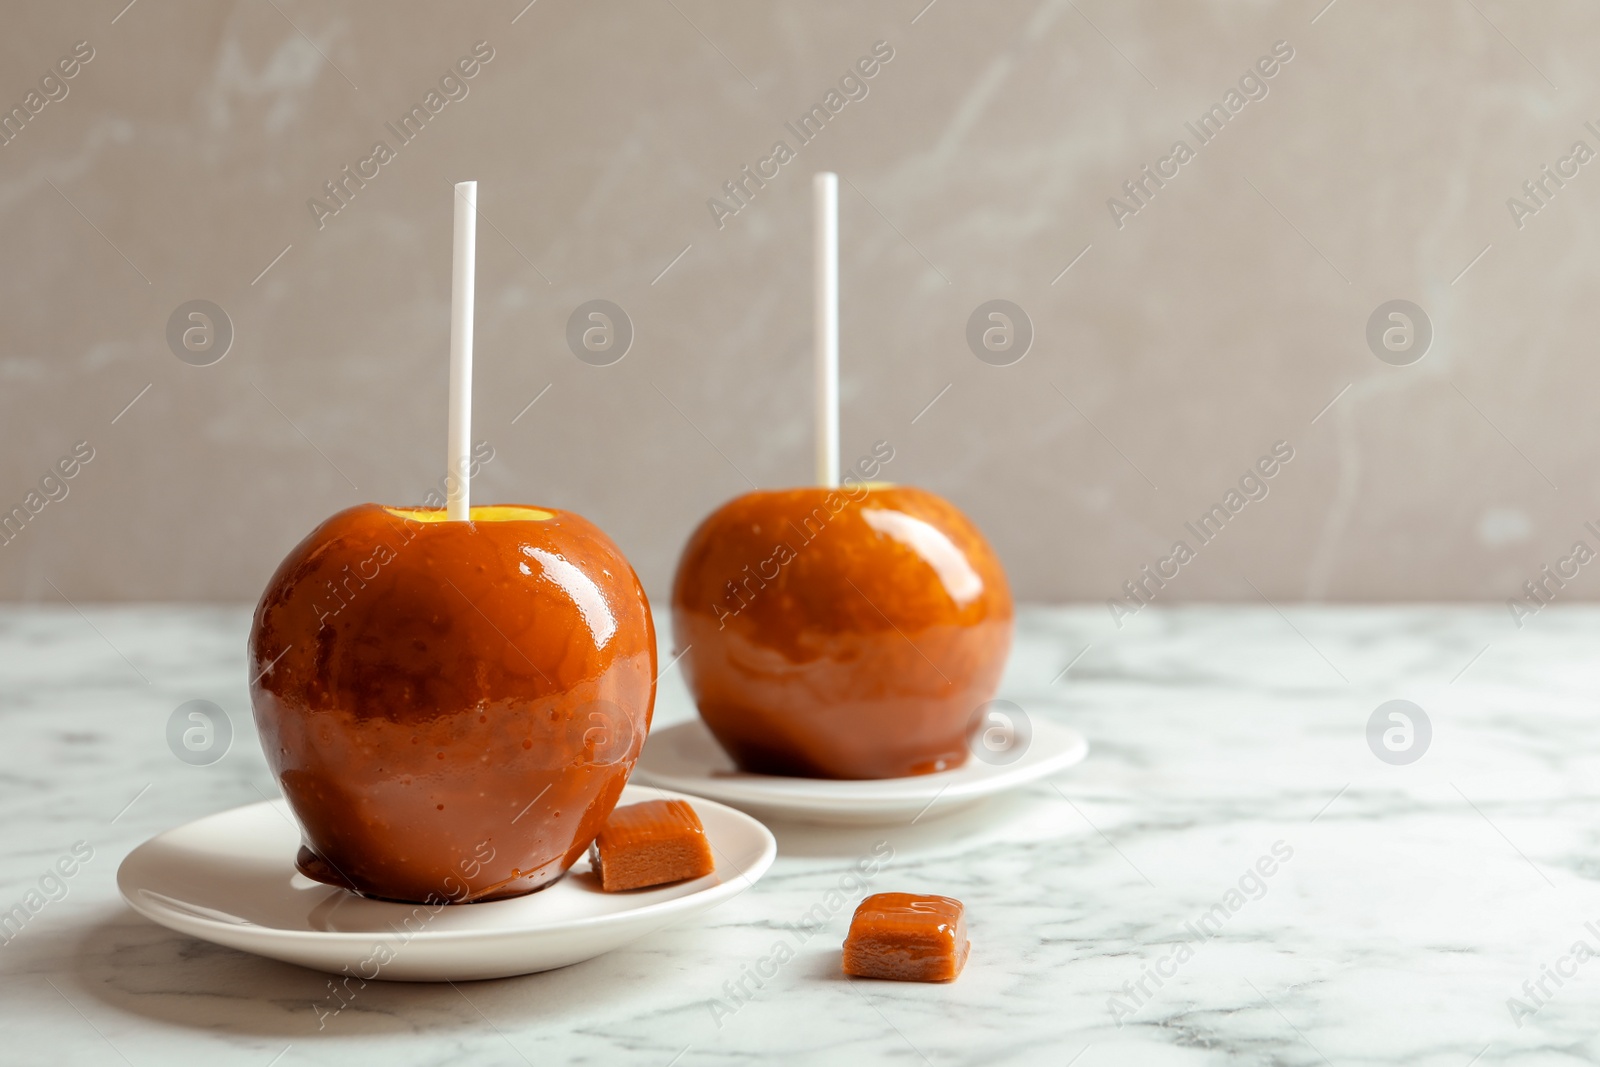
x=451 y=708
x=841 y=633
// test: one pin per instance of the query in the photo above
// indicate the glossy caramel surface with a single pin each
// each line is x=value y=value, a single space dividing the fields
x=653 y=843
x=846 y=633
x=451 y=708
x=907 y=938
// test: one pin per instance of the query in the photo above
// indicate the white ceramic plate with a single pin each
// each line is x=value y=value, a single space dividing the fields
x=685 y=757
x=230 y=878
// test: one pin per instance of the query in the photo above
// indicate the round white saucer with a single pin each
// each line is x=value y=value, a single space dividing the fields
x=230 y=878
x=685 y=757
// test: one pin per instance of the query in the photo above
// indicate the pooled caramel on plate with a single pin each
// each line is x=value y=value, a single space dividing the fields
x=907 y=938
x=653 y=843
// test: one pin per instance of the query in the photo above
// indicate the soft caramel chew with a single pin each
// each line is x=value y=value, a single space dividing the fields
x=653 y=843
x=907 y=938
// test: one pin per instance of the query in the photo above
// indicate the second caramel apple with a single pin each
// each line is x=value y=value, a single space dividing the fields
x=841 y=633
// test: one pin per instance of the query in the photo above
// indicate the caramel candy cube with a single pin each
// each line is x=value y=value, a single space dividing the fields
x=653 y=843
x=907 y=938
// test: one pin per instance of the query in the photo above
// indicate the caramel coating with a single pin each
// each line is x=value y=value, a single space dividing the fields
x=846 y=633
x=907 y=938
x=653 y=843
x=451 y=708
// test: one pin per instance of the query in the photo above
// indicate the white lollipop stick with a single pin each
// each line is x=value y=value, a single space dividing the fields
x=825 y=338
x=459 y=445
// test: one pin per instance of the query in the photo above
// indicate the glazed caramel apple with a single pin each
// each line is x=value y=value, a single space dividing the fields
x=451 y=708
x=841 y=633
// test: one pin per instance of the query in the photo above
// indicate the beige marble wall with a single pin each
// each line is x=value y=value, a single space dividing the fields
x=1174 y=345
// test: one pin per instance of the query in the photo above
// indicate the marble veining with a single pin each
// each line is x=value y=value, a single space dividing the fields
x=1407 y=907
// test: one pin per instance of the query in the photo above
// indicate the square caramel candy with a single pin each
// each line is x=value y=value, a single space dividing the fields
x=653 y=843
x=907 y=938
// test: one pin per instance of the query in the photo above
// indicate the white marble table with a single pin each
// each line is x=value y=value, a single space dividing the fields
x=1417 y=901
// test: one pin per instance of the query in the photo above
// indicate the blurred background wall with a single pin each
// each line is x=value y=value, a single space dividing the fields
x=1176 y=338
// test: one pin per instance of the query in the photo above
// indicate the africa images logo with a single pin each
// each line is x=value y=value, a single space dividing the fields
x=853 y=86
x=1142 y=188
x=452 y=87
